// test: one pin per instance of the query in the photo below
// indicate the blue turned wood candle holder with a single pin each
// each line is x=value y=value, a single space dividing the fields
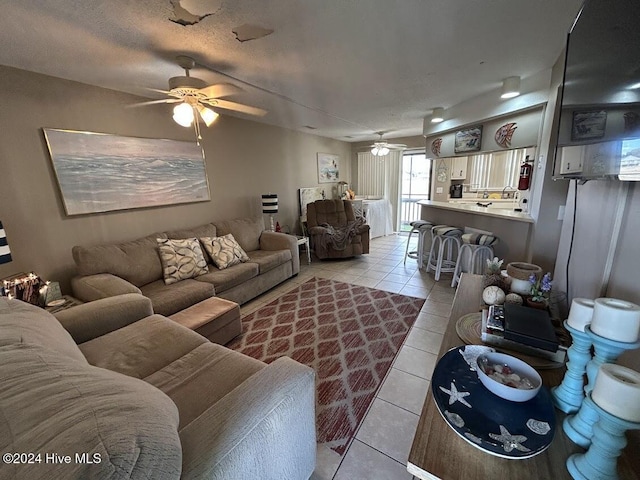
x=601 y=459
x=568 y=396
x=579 y=427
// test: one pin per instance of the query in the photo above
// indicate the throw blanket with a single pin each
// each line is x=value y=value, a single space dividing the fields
x=337 y=237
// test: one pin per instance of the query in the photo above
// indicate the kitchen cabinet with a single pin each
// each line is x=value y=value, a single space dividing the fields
x=571 y=159
x=458 y=168
x=591 y=161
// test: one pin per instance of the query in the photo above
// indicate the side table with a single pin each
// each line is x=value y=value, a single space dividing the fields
x=69 y=302
x=305 y=241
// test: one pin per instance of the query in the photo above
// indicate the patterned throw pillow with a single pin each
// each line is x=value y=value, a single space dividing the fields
x=224 y=251
x=181 y=259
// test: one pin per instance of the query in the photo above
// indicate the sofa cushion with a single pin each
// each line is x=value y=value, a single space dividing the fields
x=169 y=299
x=202 y=377
x=224 y=251
x=137 y=261
x=207 y=230
x=51 y=404
x=246 y=231
x=269 y=259
x=181 y=259
x=229 y=277
x=143 y=347
x=25 y=324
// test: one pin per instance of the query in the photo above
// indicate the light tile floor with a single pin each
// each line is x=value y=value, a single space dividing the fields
x=381 y=446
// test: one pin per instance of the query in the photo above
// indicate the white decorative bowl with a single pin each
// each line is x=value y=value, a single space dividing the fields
x=518 y=366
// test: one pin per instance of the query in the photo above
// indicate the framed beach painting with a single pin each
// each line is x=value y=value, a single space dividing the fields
x=588 y=125
x=98 y=172
x=468 y=140
x=328 y=168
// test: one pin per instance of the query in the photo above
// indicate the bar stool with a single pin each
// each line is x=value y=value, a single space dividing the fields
x=415 y=228
x=476 y=249
x=445 y=245
x=425 y=233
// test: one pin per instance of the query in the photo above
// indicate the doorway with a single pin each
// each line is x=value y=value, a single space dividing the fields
x=415 y=186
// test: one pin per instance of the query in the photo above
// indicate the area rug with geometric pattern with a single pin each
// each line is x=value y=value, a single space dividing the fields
x=347 y=333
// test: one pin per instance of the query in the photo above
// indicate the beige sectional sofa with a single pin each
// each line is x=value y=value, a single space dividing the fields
x=126 y=393
x=135 y=267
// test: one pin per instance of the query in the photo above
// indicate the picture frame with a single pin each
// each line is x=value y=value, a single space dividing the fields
x=468 y=140
x=309 y=195
x=328 y=168
x=588 y=124
x=98 y=172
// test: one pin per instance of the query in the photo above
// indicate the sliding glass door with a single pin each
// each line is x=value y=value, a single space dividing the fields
x=415 y=185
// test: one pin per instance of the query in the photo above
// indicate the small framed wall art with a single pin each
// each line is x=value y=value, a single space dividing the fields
x=588 y=125
x=328 y=168
x=468 y=140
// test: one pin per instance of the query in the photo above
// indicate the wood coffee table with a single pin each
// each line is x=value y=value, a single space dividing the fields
x=439 y=453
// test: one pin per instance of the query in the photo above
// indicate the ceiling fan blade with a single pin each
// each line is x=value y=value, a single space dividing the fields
x=238 y=107
x=219 y=90
x=166 y=92
x=153 y=102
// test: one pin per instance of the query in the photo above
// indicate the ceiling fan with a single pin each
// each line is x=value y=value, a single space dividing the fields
x=382 y=147
x=194 y=97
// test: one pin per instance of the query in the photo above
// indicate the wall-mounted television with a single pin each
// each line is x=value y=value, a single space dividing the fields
x=599 y=124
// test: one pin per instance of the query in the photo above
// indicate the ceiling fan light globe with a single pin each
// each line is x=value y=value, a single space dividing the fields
x=383 y=151
x=208 y=115
x=183 y=114
x=375 y=151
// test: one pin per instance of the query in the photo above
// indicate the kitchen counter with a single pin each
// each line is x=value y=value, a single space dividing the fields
x=514 y=229
x=459 y=206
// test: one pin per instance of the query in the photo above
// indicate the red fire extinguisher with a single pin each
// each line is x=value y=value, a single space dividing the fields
x=525 y=174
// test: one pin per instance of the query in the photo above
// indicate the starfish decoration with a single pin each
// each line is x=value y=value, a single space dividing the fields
x=509 y=442
x=455 y=395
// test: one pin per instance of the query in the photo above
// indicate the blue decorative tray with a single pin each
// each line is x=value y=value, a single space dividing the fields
x=497 y=426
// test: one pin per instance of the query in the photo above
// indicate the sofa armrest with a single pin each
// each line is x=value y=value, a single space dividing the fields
x=94 y=319
x=102 y=285
x=264 y=428
x=318 y=230
x=281 y=241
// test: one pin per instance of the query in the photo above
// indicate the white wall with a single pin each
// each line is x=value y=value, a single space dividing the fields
x=598 y=204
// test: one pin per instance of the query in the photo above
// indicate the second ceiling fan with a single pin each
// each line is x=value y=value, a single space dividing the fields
x=382 y=147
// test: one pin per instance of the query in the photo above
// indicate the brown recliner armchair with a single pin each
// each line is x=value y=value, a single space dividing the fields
x=334 y=230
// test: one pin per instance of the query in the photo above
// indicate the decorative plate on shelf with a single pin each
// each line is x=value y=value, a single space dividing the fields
x=497 y=426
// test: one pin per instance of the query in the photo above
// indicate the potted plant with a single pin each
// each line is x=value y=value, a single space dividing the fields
x=540 y=288
x=492 y=275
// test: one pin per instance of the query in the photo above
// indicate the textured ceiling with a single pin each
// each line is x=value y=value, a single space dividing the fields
x=348 y=68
